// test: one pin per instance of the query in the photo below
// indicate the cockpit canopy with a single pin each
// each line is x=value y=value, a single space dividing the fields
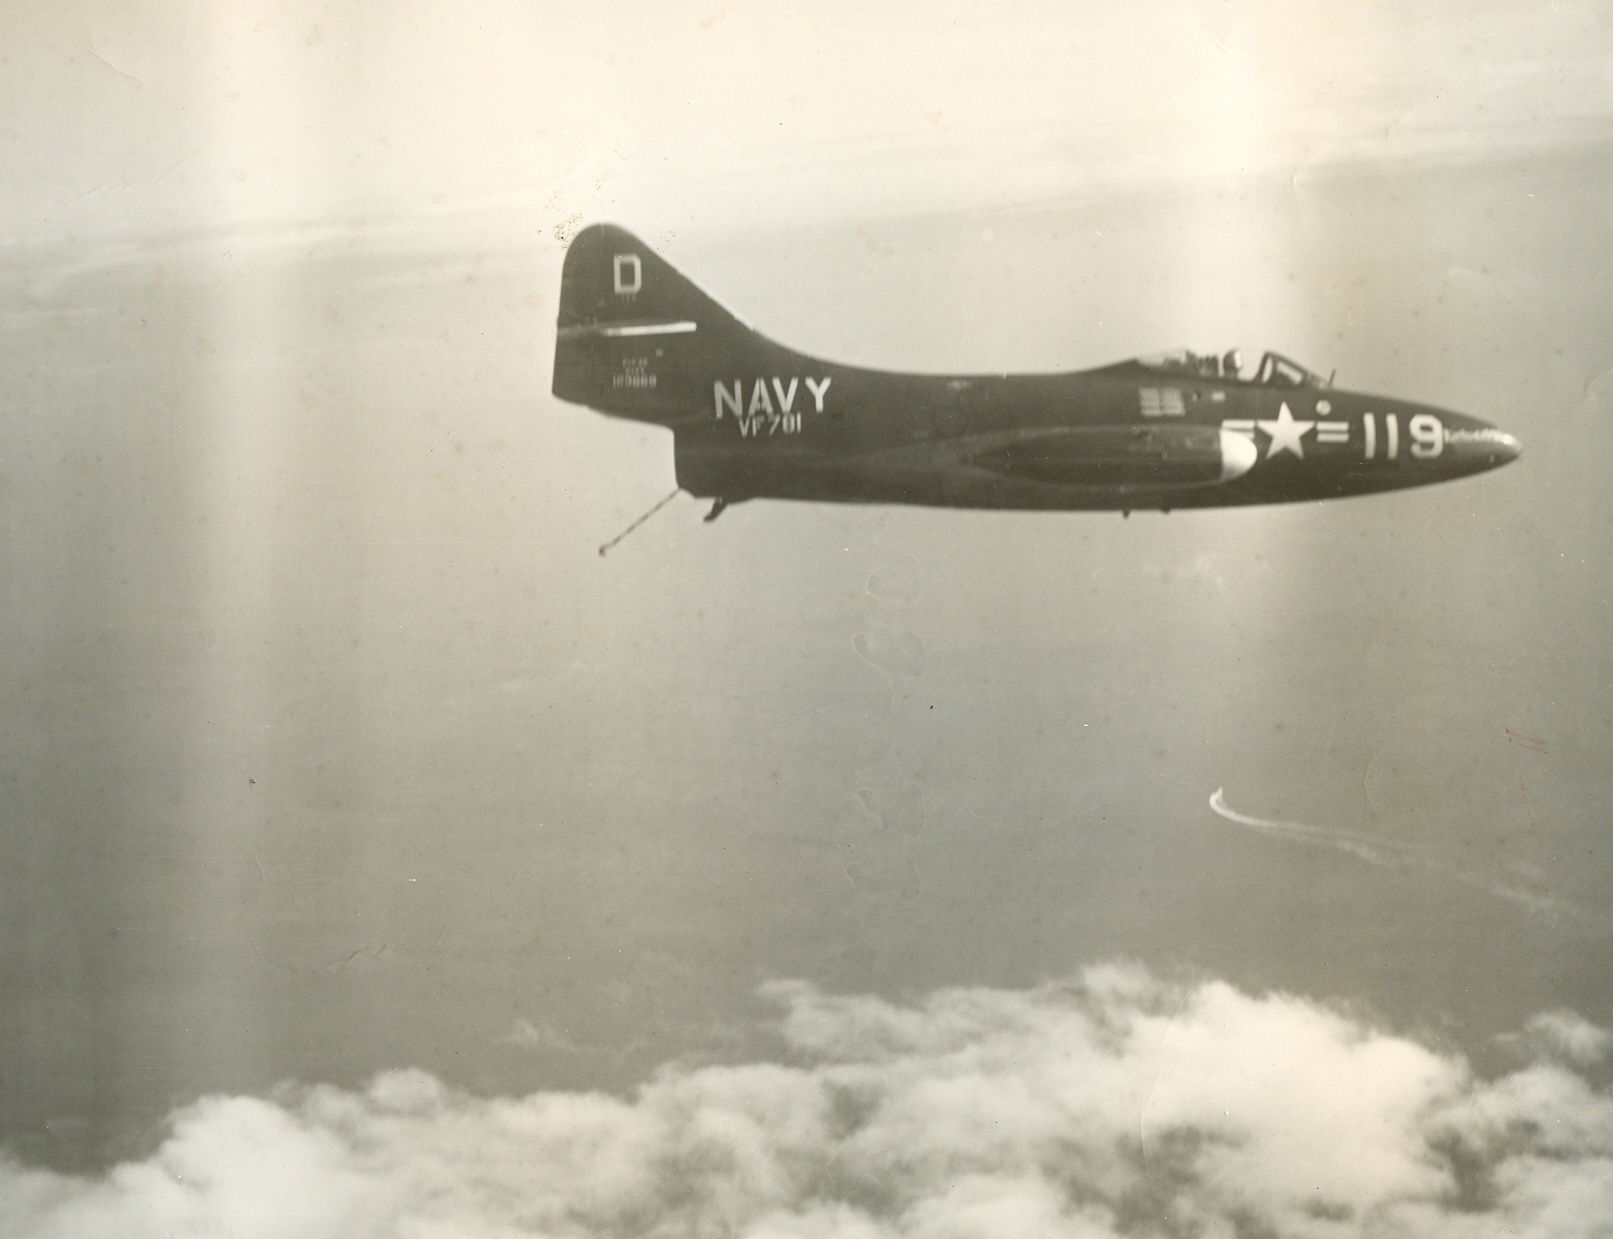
x=1274 y=369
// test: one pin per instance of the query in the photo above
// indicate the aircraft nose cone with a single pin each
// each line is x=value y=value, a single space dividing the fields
x=1479 y=446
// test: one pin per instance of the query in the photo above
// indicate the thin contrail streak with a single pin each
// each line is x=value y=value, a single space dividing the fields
x=1392 y=855
x=1373 y=851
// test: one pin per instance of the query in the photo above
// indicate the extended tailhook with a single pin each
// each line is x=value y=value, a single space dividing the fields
x=640 y=521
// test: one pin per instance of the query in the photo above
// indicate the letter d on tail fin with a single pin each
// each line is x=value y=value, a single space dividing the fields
x=634 y=336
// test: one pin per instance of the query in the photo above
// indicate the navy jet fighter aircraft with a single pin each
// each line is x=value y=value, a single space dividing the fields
x=751 y=419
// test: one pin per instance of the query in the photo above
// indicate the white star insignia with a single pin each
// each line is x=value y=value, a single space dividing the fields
x=1285 y=433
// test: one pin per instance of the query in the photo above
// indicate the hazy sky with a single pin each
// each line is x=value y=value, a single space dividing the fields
x=821 y=870
x=121 y=119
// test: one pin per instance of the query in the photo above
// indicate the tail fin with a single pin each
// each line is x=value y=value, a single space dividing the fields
x=635 y=338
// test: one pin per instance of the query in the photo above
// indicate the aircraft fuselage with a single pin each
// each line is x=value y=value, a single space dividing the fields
x=753 y=419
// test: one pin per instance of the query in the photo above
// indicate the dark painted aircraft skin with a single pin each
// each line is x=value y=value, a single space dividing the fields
x=752 y=419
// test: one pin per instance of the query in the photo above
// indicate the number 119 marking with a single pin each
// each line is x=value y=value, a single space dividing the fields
x=1427 y=432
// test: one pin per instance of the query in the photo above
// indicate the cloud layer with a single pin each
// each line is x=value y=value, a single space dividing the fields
x=1111 y=1105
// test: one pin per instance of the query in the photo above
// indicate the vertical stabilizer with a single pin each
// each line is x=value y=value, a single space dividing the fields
x=635 y=338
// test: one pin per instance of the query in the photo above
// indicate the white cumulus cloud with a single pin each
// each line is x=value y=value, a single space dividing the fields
x=1113 y=1104
x=1566 y=1035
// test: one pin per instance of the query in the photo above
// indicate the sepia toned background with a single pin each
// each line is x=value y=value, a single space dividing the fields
x=820 y=868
